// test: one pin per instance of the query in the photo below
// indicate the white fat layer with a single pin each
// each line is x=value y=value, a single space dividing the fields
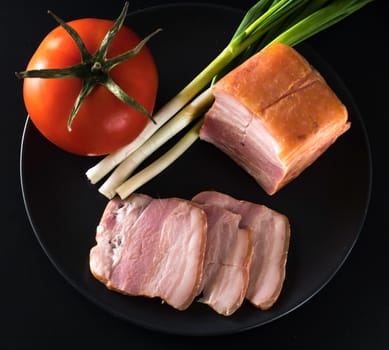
x=247 y=123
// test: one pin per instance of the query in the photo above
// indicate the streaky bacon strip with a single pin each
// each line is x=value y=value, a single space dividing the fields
x=214 y=247
x=227 y=260
x=270 y=232
x=112 y=233
x=162 y=252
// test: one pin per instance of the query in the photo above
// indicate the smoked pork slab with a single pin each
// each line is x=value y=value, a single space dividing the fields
x=227 y=261
x=151 y=247
x=274 y=115
x=270 y=235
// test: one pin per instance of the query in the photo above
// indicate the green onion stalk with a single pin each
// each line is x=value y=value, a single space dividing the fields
x=267 y=22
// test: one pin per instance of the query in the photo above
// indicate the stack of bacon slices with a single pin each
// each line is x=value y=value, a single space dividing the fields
x=214 y=249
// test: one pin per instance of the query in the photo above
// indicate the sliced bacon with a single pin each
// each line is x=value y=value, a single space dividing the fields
x=215 y=248
x=270 y=232
x=227 y=260
x=160 y=254
x=112 y=233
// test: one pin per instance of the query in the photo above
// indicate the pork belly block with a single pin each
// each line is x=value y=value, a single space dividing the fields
x=227 y=261
x=151 y=247
x=274 y=115
x=270 y=235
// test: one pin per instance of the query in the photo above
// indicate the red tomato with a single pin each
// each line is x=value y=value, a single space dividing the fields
x=103 y=123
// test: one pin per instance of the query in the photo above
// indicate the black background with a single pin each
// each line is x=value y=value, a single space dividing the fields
x=39 y=308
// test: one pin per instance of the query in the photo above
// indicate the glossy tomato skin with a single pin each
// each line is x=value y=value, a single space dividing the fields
x=103 y=123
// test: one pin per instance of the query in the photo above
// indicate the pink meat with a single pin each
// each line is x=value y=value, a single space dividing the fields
x=274 y=115
x=227 y=260
x=113 y=231
x=162 y=252
x=270 y=238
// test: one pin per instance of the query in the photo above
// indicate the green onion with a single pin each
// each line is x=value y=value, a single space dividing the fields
x=186 y=116
x=267 y=22
x=140 y=178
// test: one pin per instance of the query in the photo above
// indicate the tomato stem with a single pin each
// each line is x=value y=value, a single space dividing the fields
x=87 y=87
x=85 y=54
x=101 y=53
x=112 y=62
x=94 y=68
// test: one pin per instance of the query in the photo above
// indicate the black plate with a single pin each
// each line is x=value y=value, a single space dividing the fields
x=326 y=205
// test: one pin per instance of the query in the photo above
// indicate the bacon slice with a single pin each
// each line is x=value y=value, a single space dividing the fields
x=215 y=247
x=270 y=232
x=112 y=233
x=227 y=260
x=160 y=252
x=274 y=115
